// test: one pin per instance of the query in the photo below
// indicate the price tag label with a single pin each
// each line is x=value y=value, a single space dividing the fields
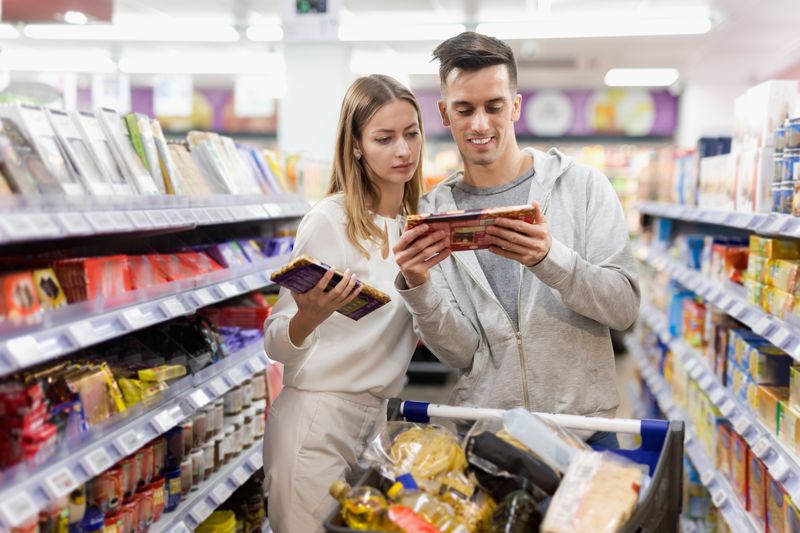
x=140 y=220
x=201 y=216
x=60 y=483
x=725 y=302
x=781 y=336
x=173 y=218
x=203 y=297
x=44 y=225
x=200 y=511
x=212 y=215
x=97 y=462
x=163 y=421
x=257 y=364
x=252 y=282
x=737 y=309
x=741 y=425
x=690 y=365
x=255 y=461
x=17 y=509
x=128 y=443
x=240 y=214
x=135 y=319
x=705 y=382
x=727 y=408
x=714 y=294
x=220 y=493
x=762 y=448
x=236 y=376
x=762 y=325
x=180 y=527
x=18 y=226
x=239 y=476
x=24 y=350
x=718 y=216
x=719 y=499
x=188 y=216
x=101 y=221
x=717 y=395
x=121 y=221
x=776 y=224
x=73 y=223
x=173 y=307
x=82 y=333
x=198 y=399
x=256 y=213
x=228 y=289
x=219 y=387
x=779 y=469
x=158 y=217
x=696 y=372
x=707 y=478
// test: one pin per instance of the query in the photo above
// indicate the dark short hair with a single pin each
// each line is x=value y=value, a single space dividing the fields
x=474 y=51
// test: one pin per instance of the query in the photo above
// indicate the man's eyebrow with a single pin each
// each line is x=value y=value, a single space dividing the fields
x=496 y=100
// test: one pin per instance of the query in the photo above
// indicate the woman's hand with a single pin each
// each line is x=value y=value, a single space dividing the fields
x=417 y=252
x=315 y=306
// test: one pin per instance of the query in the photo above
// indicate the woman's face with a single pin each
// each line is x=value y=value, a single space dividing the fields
x=391 y=144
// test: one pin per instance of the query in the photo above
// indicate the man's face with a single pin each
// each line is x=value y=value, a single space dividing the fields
x=480 y=109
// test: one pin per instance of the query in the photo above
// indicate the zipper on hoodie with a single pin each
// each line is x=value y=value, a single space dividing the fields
x=517 y=332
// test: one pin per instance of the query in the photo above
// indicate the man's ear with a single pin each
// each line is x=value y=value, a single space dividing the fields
x=443 y=113
x=516 y=109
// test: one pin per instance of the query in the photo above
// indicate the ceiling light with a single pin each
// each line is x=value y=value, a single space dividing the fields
x=57 y=61
x=75 y=17
x=7 y=31
x=641 y=77
x=265 y=33
x=165 y=31
x=188 y=63
x=604 y=26
x=366 y=30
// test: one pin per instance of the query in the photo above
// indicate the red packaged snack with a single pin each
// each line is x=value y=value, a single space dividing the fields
x=198 y=263
x=19 y=300
x=106 y=490
x=18 y=398
x=145 y=272
x=467 y=228
x=95 y=277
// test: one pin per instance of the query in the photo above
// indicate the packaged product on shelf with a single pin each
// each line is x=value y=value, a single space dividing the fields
x=791 y=517
x=757 y=487
x=19 y=300
x=598 y=494
x=145 y=272
x=696 y=500
x=116 y=132
x=769 y=398
x=227 y=254
x=740 y=469
x=173 y=181
x=467 y=228
x=21 y=163
x=724 y=443
x=91 y=278
x=5 y=188
x=694 y=314
x=789 y=426
x=304 y=272
x=794 y=386
x=141 y=135
x=775 y=506
x=51 y=295
x=774 y=248
x=77 y=154
x=55 y=176
x=98 y=146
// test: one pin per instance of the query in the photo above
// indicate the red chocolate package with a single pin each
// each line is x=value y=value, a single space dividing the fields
x=19 y=300
x=93 y=277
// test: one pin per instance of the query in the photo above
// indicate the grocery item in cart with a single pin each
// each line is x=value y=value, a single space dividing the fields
x=304 y=272
x=516 y=514
x=553 y=444
x=428 y=506
x=467 y=228
x=597 y=495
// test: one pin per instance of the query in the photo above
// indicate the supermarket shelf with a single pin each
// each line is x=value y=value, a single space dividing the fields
x=82 y=325
x=719 y=488
x=782 y=464
x=26 y=489
x=729 y=298
x=33 y=219
x=767 y=223
x=211 y=493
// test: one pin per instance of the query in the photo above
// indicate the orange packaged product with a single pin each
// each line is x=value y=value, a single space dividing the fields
x=145 y=272
x=93 y=277
x=198 y=263
x=19 y=301
x=757 y=489
x=739 y=469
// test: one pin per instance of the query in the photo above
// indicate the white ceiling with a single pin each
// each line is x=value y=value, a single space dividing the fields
x=751 y=40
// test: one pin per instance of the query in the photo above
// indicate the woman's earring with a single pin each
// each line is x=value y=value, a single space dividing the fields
x=358 y=154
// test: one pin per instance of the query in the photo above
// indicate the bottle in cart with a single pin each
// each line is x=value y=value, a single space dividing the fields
x=362 y=507
x=427 y=506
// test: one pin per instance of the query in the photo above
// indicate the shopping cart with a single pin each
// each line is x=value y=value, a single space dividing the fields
x=661 y=451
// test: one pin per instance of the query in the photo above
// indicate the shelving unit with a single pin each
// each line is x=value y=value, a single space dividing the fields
x=82 y=325
x=32 y=219
x=28 y=488
x=782 y=464
x=211 y=493
x=722 y=494
x=766 y=223
x=730 y=298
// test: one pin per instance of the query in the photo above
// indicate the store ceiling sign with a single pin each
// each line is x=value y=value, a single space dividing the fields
x=581 y=113
x=310 y=20
x=53 y=10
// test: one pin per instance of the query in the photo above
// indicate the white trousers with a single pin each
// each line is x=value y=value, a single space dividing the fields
x=311 y=440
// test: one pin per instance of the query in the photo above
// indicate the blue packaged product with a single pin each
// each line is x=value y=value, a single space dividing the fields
x=776 y=197
x=792 y=133
x=791 y=164
x=173 y=490
x=780 y=139
x=787 y=196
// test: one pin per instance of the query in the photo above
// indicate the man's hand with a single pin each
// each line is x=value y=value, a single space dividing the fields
x=416 y=254
x=519 y=241
x=316 y=305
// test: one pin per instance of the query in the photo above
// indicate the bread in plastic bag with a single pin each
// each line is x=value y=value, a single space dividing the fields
x=597 y=495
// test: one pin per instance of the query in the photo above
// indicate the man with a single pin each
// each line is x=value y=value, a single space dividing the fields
x=527 y=321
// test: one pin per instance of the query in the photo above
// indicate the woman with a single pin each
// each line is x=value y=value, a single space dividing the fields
x=338 y=372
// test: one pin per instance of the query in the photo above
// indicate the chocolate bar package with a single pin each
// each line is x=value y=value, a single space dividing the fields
x=304 y=272
x=467 y=228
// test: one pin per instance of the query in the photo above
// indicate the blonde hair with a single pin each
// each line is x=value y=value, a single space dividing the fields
x=351 y=175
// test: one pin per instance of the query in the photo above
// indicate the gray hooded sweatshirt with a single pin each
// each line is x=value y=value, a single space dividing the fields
x=560 y=360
